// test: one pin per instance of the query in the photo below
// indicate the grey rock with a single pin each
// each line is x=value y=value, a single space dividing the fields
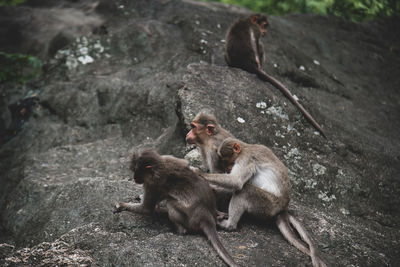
x=135 y=73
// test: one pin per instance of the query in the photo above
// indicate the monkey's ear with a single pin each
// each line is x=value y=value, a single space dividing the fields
x=210 y=129
x=236 y=148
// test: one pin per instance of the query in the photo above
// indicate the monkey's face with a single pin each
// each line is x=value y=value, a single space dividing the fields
x=143 y=164
x=263 y=24
x=227 y=159
x=227 y=164
x=199 y=133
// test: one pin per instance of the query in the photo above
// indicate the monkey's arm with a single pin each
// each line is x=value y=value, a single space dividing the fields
x=147 y=205
x=240 y=174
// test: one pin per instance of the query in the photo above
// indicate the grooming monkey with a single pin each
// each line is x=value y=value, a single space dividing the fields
x=207 y=134
x=261 y=187
x=190 y=202
x=244 y=50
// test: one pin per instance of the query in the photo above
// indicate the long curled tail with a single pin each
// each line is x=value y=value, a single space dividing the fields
x=283 y=221
x=265 y=77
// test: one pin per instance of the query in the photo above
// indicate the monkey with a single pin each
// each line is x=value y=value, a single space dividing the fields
x=261 y=188
x=190 y=202
x=207 y=134
x=244 y=50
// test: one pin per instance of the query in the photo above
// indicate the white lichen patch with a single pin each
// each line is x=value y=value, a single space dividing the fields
x=85 y=59
x=277 y=112
x=294 y=157
x=240 y=120
x=279 y=134
x=82 y=51
x=316 y=62
x=344 y=211
x=318 y=169
x=293 y=154
x=194 y=157
x=302 y=68
x=325 y=197
x=261 y=105
x=310 y=184
x=340 y=174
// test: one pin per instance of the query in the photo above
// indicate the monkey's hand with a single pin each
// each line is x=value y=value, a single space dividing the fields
x=197 y=171
x=118 y=208
x=221 y=215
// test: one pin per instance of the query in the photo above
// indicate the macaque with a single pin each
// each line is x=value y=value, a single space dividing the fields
x=244 y=50
x=190 y=202
x=261 y=187
x=207 y=134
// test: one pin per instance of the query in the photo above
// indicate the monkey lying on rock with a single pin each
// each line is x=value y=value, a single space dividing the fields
x=190 y=202
x=261 y=187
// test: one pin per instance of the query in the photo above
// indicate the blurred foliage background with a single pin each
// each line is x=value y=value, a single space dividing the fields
x=357 y=10
x=18 y=68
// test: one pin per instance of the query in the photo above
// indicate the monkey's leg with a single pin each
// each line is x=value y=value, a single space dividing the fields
x=236 y=209
x=177 y=218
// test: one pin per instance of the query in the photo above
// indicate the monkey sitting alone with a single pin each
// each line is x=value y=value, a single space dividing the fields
x=261 y=187
x=244 y=50
x=190 y=202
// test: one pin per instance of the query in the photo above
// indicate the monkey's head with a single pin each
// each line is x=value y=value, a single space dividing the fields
x=228 y=152
x=203 y=127
x=261 y=22
x=146 y=165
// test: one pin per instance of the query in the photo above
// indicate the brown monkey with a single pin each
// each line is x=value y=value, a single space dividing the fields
x=190 y=202
x=262 y=188
x=207 y=134
x=244 y=50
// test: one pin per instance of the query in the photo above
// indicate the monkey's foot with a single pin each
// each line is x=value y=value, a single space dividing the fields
x=224 y=224
x=221 y=215
x=118 y=207
x=180 y=229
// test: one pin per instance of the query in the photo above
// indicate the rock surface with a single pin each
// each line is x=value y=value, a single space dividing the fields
x=134 y=73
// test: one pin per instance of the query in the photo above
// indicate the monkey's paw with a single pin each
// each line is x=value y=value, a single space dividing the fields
x=118 y=207
x=224 y=224
x=221 y=215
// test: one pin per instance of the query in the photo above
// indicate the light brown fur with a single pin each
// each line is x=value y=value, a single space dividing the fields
x=261 y=187
x=207 y=134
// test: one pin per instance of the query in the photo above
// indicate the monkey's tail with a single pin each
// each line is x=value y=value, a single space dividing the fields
x=283 y=222
x=265 y=77
x=211 y=233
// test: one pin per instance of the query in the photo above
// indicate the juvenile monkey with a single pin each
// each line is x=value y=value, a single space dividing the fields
x=244 y=50
x=207 y=134
x=262 y=188
x=190 y=202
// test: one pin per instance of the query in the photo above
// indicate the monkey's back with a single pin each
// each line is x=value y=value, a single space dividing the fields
x=265 y=156
x=238 y=50
x=192 y=195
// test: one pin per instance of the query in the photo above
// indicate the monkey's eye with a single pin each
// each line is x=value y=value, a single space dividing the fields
x=192 y=125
